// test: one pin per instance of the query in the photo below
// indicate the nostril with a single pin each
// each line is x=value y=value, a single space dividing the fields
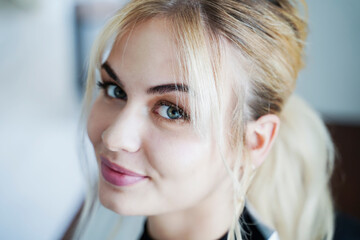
x=112 y=148
x=120 y=142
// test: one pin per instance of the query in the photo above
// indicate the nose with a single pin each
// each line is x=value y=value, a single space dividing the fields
x=124 y=132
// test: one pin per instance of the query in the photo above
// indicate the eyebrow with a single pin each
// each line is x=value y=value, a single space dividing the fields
x=111 y=73
x=160 y=89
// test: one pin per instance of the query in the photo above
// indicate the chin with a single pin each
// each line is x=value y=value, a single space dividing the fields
x=118 y=202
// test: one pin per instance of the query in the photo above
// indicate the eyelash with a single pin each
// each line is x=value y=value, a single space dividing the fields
x=184 y=116
x=104 y=87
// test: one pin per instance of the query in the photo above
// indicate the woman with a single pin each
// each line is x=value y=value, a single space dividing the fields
x=196 y=119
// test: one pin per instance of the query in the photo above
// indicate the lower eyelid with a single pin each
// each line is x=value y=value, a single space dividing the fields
x=104 y=85
x=182 y=119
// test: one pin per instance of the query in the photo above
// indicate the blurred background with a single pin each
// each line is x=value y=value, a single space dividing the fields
x=44 y=45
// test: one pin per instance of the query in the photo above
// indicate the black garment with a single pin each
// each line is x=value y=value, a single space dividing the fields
x=251 y=230
x=346 y=228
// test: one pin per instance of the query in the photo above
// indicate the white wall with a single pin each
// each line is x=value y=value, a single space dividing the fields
x=40 y=183
x=331 y=80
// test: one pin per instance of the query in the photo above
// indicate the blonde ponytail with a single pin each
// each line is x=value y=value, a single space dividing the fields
x=291 y=190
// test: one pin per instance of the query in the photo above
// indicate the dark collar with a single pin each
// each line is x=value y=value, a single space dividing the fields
x=250 y=228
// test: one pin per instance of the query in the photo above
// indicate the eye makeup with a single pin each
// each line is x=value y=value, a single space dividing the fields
x=112 y=90
x=170 y=111
x=162 y=109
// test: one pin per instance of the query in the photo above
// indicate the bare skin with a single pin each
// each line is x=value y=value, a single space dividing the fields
x=187 y=192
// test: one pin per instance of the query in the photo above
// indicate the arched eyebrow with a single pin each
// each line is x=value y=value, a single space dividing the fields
x=160 y=89
x=111 y=73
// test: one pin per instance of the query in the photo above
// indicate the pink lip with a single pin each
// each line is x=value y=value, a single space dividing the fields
x=117 y=175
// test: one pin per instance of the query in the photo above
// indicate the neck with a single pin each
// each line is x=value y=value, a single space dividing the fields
x=210 y=219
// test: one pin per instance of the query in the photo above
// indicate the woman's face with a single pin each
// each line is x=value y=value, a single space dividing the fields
x=150 y=159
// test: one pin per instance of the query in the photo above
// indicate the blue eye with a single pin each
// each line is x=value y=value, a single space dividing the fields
x=115 y=92
x=170 y=112
x=112 y=90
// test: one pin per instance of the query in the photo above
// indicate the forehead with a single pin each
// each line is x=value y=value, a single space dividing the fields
x=146 y=51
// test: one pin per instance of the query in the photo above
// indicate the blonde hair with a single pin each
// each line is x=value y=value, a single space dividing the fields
x=266 y=39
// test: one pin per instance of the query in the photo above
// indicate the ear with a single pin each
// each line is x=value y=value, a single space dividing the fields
x=260 y=136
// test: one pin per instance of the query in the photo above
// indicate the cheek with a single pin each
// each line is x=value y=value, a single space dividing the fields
x=188 y=169
x=97 y=122
x=178 y=156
